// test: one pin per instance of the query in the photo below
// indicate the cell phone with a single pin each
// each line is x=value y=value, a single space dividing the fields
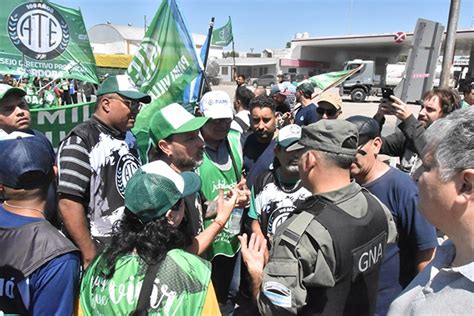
x=387 y=92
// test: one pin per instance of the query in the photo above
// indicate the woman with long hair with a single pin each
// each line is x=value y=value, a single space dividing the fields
x=146 y=270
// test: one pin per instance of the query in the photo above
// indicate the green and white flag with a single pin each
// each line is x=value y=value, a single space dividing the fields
x=44 y=39
x=331 y=79
x=165 y=63
x=223 y=36
x=56 y=122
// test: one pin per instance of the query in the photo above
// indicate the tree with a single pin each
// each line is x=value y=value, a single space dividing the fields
x=230 y=54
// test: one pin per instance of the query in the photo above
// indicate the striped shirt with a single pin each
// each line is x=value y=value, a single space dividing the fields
x=95 y=163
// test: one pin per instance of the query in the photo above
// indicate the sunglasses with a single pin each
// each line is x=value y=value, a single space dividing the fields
x=329 y=112
x=133 y=105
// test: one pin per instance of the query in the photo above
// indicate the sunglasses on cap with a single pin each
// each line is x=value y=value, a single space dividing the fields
x=329 y=112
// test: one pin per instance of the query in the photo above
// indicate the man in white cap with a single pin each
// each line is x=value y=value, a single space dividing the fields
x=277 y=191
x=95 y=162
x=222 y=168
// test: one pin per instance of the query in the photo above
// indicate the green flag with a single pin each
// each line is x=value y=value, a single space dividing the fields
x=46 y=40
x=223 y=36
x=322 y=81
x=331 y=79
x=164 y=65
x=56 y=122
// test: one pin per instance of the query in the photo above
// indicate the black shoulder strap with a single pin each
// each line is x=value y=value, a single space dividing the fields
x=241 y=123
x=145 y=292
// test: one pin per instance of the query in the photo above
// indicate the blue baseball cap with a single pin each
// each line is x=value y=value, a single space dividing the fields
x=25 y=162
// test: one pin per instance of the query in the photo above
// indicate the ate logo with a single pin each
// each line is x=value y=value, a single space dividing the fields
x=38 y=30
x=224 y=34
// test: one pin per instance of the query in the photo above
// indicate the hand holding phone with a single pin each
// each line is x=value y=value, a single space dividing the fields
x=386 y=93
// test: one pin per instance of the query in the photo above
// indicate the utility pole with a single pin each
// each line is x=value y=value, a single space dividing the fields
x=449 y=43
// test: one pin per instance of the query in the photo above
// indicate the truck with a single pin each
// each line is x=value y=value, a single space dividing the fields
x=366 y=82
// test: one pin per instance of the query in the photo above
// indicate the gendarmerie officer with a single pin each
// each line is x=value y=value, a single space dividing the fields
x=325 y=259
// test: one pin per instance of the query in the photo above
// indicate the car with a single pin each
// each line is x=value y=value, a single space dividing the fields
x=299 y=77
x=265 y=80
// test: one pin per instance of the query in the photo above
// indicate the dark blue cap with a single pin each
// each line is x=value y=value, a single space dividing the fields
x=25 y=162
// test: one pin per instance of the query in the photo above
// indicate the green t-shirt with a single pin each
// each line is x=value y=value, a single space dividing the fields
x=180 y=287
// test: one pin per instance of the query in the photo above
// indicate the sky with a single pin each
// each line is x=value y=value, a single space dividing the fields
x=260 y=24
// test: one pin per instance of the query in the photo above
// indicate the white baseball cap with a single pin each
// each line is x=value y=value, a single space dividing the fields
x=216 y=105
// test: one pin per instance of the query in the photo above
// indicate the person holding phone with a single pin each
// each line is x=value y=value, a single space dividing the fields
x=408 y=141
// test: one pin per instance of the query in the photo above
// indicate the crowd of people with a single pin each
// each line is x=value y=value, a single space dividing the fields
x=267 y=204
x=47 y=92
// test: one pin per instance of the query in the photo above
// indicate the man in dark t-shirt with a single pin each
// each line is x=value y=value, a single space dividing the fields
x=306 y=114
x=397 y=190
x=258 y=148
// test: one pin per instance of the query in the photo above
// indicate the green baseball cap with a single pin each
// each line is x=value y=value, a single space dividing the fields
x=6 y=90
x=328 y=136
x=173 y=119
x=306 y=87
x=123 y=85
x=155 y=188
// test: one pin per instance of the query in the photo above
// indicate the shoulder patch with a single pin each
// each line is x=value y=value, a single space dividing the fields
x=296 y=228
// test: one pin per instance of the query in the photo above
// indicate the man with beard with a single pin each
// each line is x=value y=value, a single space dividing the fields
x=416 y=236
x=222 y=168
x=95 y=162
x=258 y=148
x=408 y=142
x=280 y=94
x=276 y=192
x=177 y=144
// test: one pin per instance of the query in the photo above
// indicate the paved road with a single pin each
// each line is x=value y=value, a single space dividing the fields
x=349 y=108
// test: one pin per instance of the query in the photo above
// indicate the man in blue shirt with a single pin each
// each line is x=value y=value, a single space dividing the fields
x=39 y=267
x=306 y=114
x=397 y=190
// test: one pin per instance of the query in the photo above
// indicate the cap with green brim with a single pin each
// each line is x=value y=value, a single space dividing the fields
x=288 y=135
x=7 y=90
x=123 y=85
x=332 y=136
x=173 y=119
x=156 y=188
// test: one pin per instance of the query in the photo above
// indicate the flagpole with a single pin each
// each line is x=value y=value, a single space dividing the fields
x=203 y=78
x=233 y=50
